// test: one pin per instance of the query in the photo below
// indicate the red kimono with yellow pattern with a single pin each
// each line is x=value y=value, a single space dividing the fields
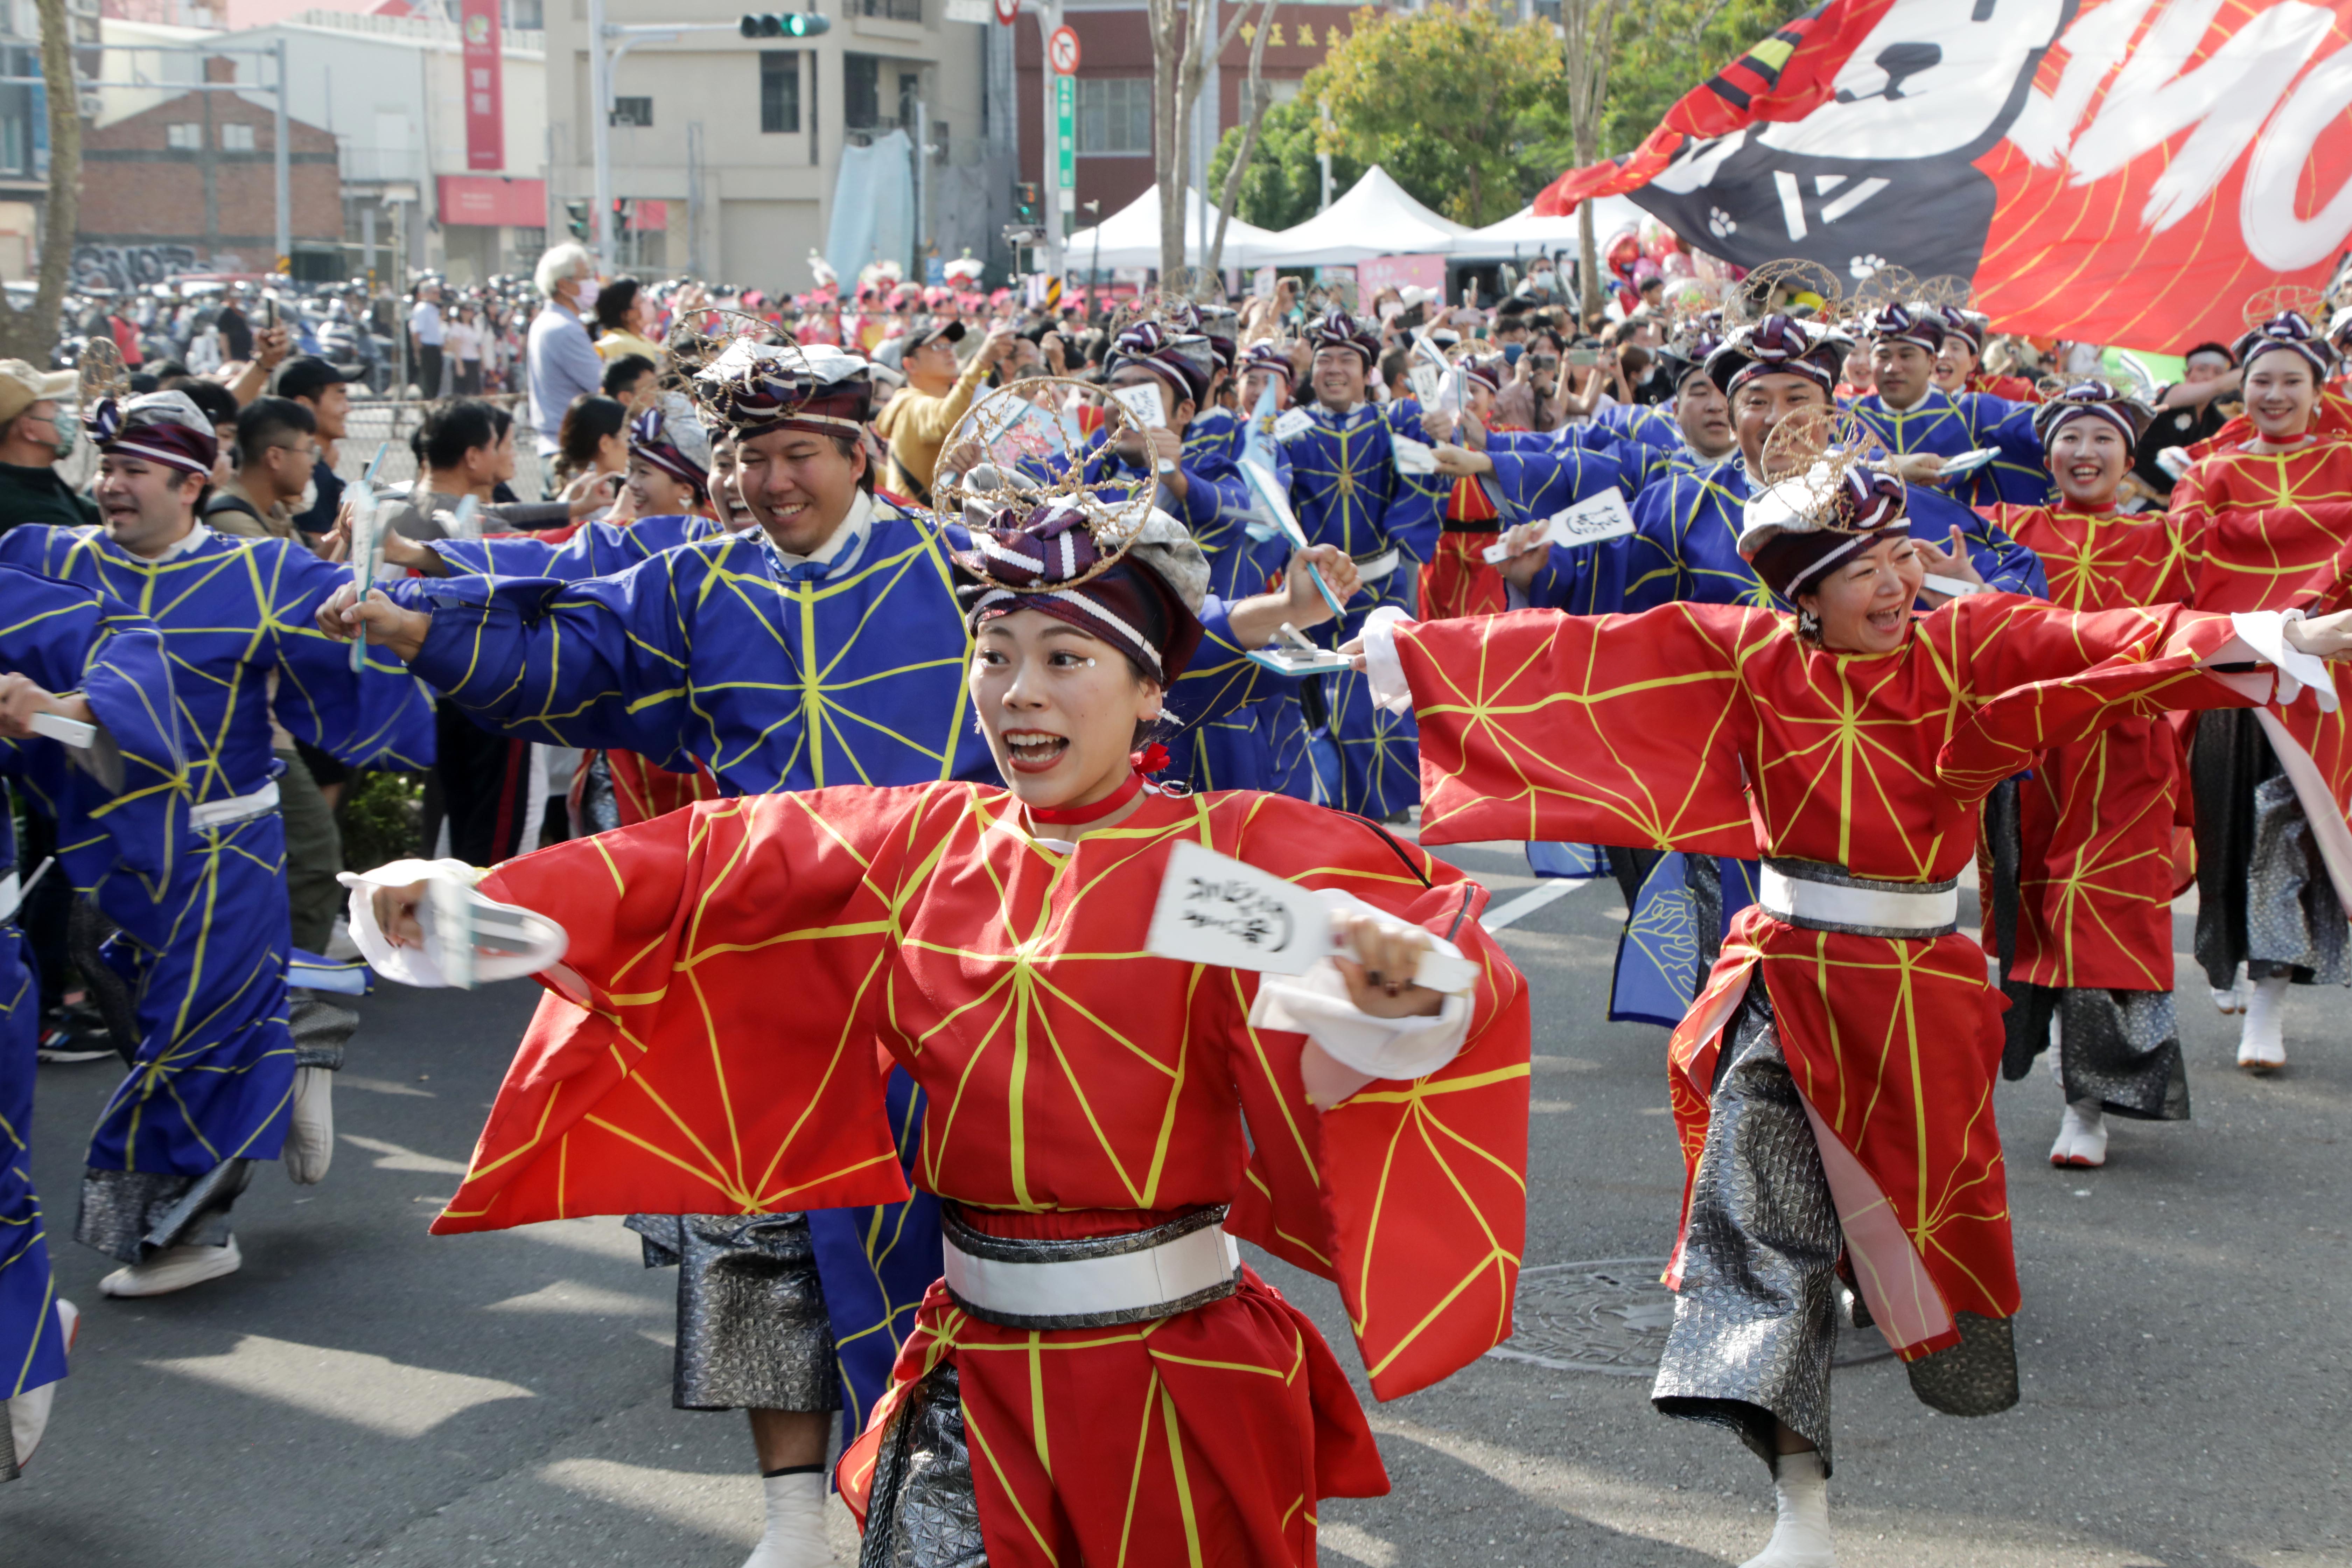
x=1459 y=580
x=2332 y=416
x=2102 y=823
x=732 y=967
x=1713 y=728
x=2274 y=531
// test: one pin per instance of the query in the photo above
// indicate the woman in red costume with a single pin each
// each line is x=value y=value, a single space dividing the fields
x=2271 y=522
x=1833 y=1081
x=1098 y=1379
x=2087 y=850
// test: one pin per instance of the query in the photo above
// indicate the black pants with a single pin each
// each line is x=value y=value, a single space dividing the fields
x=428 y=369
x=482 y=789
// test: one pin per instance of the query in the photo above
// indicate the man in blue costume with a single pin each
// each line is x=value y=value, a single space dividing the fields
x=1349 y=489
x=826 y=646
x=1912 y=413
x=219 y=1081
x=119 y=803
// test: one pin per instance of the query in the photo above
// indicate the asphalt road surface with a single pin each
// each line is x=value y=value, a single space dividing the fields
x=363 y=1392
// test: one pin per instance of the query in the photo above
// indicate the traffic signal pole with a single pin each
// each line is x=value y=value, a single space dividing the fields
x=607 y=42
x=1049 y=167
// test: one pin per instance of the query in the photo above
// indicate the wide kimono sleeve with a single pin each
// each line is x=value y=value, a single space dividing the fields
x=670 y=1078
x=1999 y=560
x=1412 y=1196
x=122 y=804
x=1586 y=728
x=373 y=716
x=1664 y=513
x=2031 y=677
x=595 y=550
x=1222 y=678
x=1417 y=508
x=1539 y=483
x=599 y=662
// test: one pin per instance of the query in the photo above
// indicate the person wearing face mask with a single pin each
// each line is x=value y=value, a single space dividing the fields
x=2079 y=862
x=1834 y=1082
x=36 y=434
x=2273 y=868
x=561 y=358
x=1099 y=1131
x=1911 y=413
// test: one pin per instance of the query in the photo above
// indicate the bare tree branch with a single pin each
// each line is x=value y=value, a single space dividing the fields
x=1258 y=99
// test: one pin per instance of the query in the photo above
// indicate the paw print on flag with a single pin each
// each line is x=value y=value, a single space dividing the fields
x=1720 y=224
x=1862 y=266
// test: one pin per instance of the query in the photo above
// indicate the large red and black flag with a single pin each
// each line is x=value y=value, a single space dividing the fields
x=2111 y=171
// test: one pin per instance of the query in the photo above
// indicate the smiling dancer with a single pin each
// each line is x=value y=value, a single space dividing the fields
x=1834 y=1082
x=1095 y=1369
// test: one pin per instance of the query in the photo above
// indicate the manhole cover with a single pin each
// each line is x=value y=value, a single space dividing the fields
x=1610 y=1316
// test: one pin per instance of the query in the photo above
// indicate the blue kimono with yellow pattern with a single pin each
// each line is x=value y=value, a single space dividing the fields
x=214 y=1078
x=120 y=812
x=1347 y=490
x=1949 y=425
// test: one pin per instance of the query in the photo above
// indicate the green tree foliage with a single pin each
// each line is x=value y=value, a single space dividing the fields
x=1465 y=111
x=1282 y=184
x=1424 y=93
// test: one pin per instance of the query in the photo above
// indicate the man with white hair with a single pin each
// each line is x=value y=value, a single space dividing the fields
x=563 y=357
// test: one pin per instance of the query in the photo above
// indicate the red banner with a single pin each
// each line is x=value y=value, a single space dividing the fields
x=2121 y=172
x=485 y=110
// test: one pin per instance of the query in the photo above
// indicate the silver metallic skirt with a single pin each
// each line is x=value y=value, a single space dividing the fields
x=753 y=1329
x=924 y=1513
x=2265 y=899
x=134 y=1214
x=1756 y=1319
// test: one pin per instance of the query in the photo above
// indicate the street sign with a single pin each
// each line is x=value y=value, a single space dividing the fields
x=1008 y=11
x=1065 y=51
x=1065 y=125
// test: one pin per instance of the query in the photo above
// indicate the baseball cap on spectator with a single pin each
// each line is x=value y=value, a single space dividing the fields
x=307 y=375
x=892 y=354
x=21 y=387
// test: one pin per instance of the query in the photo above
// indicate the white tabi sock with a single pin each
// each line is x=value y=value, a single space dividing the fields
x=2082 y=1135
x=795 y=1535
x=1802 y=1538
x=2262 y=1045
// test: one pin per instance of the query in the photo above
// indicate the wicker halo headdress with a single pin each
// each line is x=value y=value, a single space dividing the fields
x=2278 y=298
x=1015 y=450
x=1788 y=286
x=1883 y=287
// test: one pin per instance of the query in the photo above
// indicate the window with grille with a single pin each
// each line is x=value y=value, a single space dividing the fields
x=893 y=10
x=187 y=136
x=632 y=111
x=861 y=91
x=236 y=138
x=780 y=91
x=1115 y=114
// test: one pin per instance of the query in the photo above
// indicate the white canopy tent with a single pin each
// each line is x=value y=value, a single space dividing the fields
x=1524 y=234
x=1130 y=237
x=1377 y=217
